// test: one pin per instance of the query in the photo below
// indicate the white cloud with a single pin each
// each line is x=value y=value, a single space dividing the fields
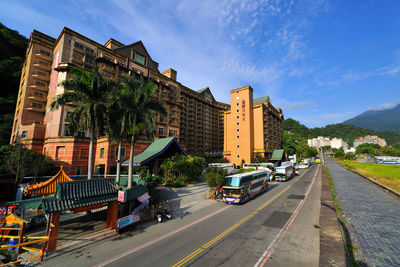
x=385 y=107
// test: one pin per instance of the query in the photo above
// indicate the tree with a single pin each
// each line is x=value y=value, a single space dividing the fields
x=339 y=153
x=258 y=159
x=215 y=177
x=91 y=92
x=137 y=111
x=24 y=162
x=289 y=143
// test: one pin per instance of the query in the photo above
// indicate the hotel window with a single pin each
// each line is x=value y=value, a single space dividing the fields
x=24 y=134
x=89 y=60
x=172 y=133
x=45 y=63
x=237 y=98
x=102 y=152
x=237 y=117
x=139 y=59
x=237 y=110
x=160 y=131
x=37 y=105
x=171 y=121
x=43 y=73
x=77 y=56
x=237 y=104
x=122 y=152
x=39 y=83
x=80 y=134
x=38 y=94
x=161 y=119
x=44 y=52
x=238 y=156
x=69 y=41
x=237 y=136
x=237 y=123
x=108 y=75
x=78 y=168
x=60 y=152
x=238 y=146
x=237 y=130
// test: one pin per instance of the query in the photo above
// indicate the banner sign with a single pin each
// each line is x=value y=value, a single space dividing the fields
x=136 y=217
x=143 y=198
x=4 y=211
x=125 y=221
x=147 y=202
x=122 y=196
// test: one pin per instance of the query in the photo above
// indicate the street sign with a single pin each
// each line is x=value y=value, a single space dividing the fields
x=122 y=196
x=125 y=221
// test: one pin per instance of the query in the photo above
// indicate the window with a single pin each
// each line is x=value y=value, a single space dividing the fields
x=108 y=75
x=171 y=121
x=45 y=63
x=237 y=130
x=237 y=92
x=78 y=168
x=161 y=119
x=122 y=152
x=40 y=83
x=24 y=134
x=237 y=110
x=237 y=136
x=68 y=114
x=80 y=134
x=89 y=60
x=237 y=146
x=44 y=52
x=60 y=152
x=38 y=94
x=37 y=105
x=237 y=117
x=162 y=95
x=172 y=133
x=160 y=131
x=237 y=98
x=237 y=156
x=69 y=41
x=237 y=104
x=237 y=123
x=43 y=73
x=139 y=59
x=102 y=152
x=77 y=56
x=171 y=114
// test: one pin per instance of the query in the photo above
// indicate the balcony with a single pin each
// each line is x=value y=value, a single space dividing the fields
x=42 y=66
x=40 y=88
x=43 y=56
x=38 y=98
x=41 y=110
x=41 y=77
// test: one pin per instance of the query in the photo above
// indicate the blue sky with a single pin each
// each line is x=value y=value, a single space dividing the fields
x=321 y=61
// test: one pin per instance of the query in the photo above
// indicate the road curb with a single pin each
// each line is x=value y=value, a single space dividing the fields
x=371 y=180
x=332 y=245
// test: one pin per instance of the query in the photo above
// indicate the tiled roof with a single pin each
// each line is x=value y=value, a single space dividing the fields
x=77 y=194
x=154 y=149
x=277 y=154
x=260 y=100
x=202 y=90
x=33 y=203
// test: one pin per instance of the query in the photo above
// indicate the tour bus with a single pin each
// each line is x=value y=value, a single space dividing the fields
x=284 y=172
x=228 y=167
x=239 y=188
x=259 y=166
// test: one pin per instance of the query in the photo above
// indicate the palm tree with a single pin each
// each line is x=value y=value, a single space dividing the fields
x=91 y=92
x=138 y=110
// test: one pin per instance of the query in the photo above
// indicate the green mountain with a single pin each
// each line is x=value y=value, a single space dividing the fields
x=347 y=132
x=387 y=119
x=12 y=54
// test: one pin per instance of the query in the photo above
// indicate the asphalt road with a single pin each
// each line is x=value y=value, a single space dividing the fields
x=279 y=227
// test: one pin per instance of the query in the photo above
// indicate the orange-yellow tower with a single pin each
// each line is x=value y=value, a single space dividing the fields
x=251 y=127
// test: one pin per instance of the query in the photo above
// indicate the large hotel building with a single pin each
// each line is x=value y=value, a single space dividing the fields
x=195 y=118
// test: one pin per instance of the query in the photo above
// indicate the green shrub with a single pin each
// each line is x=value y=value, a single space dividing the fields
x=215 y=177
x=182 y=169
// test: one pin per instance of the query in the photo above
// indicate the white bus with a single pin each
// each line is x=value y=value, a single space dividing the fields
x=228 y=167
x=284 y=173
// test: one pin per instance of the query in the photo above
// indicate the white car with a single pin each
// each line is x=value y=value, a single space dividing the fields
x=303 y=165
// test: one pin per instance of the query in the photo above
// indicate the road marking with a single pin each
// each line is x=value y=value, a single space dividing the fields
x=233 y=227
x=268 y=252
x=108 y=261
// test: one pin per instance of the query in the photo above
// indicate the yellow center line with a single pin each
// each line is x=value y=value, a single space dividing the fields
x=233 y=227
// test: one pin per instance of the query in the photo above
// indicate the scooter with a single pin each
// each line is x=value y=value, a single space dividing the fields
x=168 y=214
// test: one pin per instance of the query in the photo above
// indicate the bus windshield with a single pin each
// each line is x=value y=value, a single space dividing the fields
x=231 y=181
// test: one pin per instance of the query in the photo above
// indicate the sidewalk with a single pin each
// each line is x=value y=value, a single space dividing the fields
x=372 y=215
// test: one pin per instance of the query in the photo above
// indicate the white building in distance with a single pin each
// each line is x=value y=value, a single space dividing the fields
x=325 y=141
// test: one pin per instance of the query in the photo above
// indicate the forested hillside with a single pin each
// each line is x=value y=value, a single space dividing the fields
x=12 y=54
x=345 y=131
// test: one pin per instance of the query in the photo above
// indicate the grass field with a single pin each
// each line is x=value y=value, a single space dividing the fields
x=388 y=175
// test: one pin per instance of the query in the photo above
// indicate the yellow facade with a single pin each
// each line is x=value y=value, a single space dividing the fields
x=251 y=127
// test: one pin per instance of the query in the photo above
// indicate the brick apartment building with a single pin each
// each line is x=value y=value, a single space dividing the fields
x=195 y=118
x=252 y=126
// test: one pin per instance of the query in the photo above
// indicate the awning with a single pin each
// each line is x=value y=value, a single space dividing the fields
x=277 y=154
x=156 y=149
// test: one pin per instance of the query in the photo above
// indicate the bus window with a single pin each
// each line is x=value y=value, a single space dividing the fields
x=231 y=181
